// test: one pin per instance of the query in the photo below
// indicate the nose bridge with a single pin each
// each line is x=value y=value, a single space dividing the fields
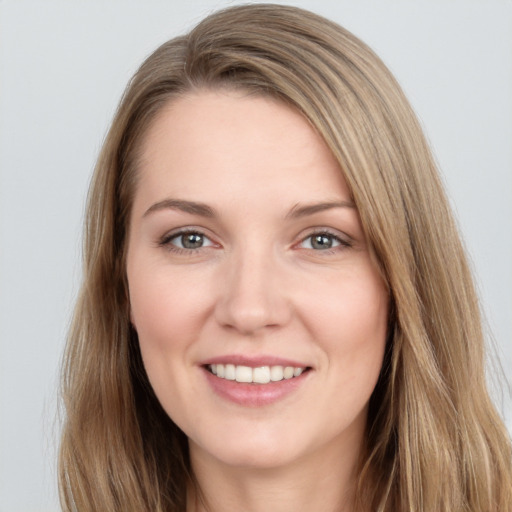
x=252 y=297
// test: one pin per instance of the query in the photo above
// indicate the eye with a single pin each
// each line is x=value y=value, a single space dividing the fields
x=323 y=241
x=187 y=240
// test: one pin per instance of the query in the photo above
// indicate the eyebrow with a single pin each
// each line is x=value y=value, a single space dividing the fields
x=299 y=211
x=203 y=210
x=191 y=207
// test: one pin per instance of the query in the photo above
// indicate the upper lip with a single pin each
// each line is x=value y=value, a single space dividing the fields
x=253 y=361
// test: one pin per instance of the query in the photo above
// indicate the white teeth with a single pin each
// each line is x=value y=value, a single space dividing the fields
x=261 y=375
x=276 y=373
x=243 y=374
x=258 y=375
x=288 y=372
x=230 y=372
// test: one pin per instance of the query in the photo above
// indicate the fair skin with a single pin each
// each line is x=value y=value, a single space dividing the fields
x=245 y=251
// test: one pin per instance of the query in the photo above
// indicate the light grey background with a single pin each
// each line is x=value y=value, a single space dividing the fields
x=63 y=67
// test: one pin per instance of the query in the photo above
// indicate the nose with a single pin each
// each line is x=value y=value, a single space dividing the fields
x=253 y=295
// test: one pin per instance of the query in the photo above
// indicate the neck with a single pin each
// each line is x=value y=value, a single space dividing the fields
x=324 y=481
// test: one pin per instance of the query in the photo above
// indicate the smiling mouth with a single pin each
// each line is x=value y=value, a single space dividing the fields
x=257 y=375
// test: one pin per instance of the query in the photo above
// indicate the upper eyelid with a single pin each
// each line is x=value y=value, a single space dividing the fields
x=169 y=235
x=344 y=237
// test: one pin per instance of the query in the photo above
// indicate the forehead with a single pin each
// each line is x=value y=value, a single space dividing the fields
x=217 y=144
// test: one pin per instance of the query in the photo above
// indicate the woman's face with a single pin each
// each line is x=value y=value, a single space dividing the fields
x=247 y=259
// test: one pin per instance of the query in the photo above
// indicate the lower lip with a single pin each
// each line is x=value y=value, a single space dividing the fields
x=254 y=395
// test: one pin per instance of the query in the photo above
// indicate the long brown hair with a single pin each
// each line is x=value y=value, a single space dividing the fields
x=434 y=440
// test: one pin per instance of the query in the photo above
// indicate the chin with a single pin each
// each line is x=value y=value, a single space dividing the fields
x=248 y=451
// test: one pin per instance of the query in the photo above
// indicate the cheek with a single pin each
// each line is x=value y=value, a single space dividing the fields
x=153 y=310
x=166 y=312
x=169 y=308
x=166 y=315
x=164 y=305
x=350 y=319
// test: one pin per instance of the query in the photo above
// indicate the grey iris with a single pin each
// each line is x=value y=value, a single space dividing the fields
x=192 y=240
x=321 y=242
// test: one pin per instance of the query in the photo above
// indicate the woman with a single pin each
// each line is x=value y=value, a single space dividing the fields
x=276 y=308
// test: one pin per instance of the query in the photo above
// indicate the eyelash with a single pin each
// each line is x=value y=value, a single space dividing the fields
x=166 y=242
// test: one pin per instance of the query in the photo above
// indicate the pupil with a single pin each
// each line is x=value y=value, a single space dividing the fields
x=321 y=242
x=192 y=241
